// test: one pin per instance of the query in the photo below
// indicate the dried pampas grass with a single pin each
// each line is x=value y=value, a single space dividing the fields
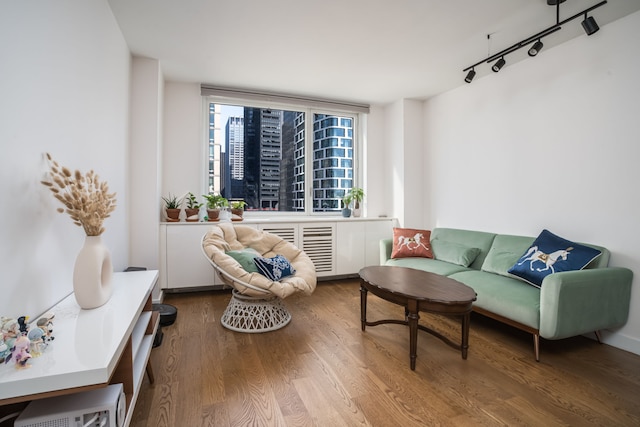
x=86 y=199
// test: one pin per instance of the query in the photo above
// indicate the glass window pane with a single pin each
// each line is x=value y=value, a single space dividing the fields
x=260 y=158
x=259 y=155
x=333 y=156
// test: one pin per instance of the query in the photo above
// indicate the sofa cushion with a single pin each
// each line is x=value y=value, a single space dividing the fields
x=506 y=296
x=427 y=264
x=454 y=252
x=551 y=254
x=411 y=242
x=505 y=251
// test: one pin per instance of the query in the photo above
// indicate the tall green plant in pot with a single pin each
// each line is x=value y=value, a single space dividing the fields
x=193 y=208
x=357 y=195
x=214 y=203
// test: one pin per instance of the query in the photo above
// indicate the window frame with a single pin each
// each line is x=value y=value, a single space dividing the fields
x=310 y=111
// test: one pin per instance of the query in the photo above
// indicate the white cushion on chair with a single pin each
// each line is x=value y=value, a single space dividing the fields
x=227 y=236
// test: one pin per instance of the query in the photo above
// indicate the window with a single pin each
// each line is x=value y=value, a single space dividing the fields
x=263 y=156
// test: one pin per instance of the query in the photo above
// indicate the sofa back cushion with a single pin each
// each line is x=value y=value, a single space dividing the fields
x=505 y=252
x=454 y=253
x=465 y=240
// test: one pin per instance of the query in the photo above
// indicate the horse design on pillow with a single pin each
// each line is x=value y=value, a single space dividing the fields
x=412 y=243
x=535 y=255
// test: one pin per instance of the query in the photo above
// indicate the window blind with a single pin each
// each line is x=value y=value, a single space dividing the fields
x=267 y=97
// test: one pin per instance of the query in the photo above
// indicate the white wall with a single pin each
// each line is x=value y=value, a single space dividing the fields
x=550 y=142
x=147 y=86
x=184 y=151
x=65 y=90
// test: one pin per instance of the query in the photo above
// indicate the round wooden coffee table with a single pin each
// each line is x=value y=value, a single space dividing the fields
x=417 y=291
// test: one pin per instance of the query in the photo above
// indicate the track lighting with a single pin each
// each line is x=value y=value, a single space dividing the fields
x=470 y=75
x=589 y=24
x=498 y=65
x=537 y=47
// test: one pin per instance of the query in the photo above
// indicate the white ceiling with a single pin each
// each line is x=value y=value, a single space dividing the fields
x=372 y=51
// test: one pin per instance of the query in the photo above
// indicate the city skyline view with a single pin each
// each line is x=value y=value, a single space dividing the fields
x=258 y=155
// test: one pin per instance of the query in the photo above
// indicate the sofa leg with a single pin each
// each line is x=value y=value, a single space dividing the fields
x=536 y=346
x=598 y=337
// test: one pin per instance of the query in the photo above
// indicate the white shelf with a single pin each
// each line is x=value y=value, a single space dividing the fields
x=90 y=345
x=139 y=331
x=139 y=369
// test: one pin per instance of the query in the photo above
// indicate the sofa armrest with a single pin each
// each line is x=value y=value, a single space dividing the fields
x=386 y=245
x=577 y=302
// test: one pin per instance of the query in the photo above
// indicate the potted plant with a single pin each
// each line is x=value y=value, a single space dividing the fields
x=172 y=207
x=214 y=203
x=357 y=195
x=346 y=202
x=193 y=208
x=237 y=208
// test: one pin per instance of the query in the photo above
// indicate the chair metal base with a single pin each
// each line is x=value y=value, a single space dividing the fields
x=254 y=314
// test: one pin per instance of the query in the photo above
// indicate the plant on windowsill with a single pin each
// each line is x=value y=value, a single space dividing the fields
x=172 y=207
x=357 y=196
x=346 y=202
x=237 y=208
x=214 y=203
x=193 y=208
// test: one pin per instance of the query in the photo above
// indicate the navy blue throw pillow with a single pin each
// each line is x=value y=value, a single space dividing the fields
x=551 y=254
x=276 y=268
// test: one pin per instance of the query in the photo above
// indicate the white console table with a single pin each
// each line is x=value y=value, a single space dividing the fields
x=92 y=348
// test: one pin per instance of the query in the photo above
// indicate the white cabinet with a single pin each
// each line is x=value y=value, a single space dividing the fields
x=350 y=242
x=110 y=344
x=185 y=266
x=358 y=243
x=337 y=247
x=374 y=232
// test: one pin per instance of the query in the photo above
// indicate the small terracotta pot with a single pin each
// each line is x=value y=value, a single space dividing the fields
x=238 y=212
x=173 y=215
x=192 y=213
x=213 y=214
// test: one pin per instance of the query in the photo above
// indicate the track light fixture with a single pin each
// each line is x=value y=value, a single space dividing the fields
x=589 y=24
x=537 y=47
x=470 y=75
x=498 y=65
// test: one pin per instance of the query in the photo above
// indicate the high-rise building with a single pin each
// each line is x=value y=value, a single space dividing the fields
x=332 y=160
x=235 y=157
x=215 y=163
x=263 y=153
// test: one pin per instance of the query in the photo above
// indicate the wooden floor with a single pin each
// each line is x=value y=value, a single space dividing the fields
x=322 y=370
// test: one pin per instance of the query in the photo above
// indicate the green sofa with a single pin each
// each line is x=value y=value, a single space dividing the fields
x=567 y=304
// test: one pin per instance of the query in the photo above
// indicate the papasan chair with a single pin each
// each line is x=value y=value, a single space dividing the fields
x=256 y=301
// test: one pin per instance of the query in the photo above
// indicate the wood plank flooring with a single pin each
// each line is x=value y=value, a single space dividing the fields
x=322 y=370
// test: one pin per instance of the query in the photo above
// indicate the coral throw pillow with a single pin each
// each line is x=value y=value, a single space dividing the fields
x=410 y=242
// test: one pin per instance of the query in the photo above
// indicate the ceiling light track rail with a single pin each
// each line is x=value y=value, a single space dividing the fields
x=588 y=24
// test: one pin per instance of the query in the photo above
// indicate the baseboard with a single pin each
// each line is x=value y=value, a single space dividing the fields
x=618 y=340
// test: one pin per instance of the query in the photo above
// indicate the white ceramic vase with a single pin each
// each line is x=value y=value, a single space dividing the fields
x=92 y=274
